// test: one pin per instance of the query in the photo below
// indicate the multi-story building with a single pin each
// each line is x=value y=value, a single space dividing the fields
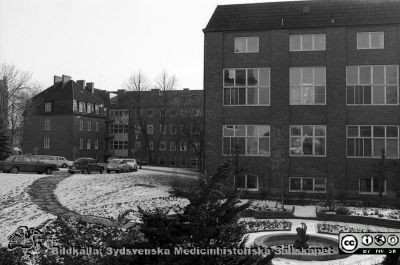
x=161 y=127
x=307 y=93
x=67 y=119
x=3 y=103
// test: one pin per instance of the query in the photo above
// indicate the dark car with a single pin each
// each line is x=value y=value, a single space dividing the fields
x=86 y=165
x=23 y=163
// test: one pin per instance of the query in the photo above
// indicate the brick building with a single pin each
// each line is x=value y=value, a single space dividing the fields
x=67 y=119
x=307 y=93
x=161 y=127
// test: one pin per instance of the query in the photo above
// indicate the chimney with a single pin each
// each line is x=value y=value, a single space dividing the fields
x=65 y=78
x=90 y=87
x=81 y=84
x=57 y=79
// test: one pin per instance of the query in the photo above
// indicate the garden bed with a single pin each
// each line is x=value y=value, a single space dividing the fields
x=265 y=225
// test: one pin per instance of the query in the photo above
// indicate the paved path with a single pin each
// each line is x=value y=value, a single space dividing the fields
x=305 y=211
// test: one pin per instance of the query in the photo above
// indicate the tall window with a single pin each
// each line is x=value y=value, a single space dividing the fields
x=46 y=142
x=97 y=109
x=150 y=113
x=119 y=145
x=89 y=107
x=81 y=125
x=88 y=144
x=74 y=105
x=163 y=129
x=307 y=85
x=370 y=40
x=182 y=146
x=47 y=124
x=172 y=129
x=370 y=185
x=48 y=107
x=151 y=145
x=372 y=84
x=172 y=146
x=194 y=162
x=246 y=44
x=163 y=146
x=369 y=141
x=82 y=107
x=96 y=144
x=96 y=126
x=307 y=184
x=247 y=182
x=307 y=42
x=150 y=129
x=81 y=143
x=307 y=140
x=249 y=140
x=89 y=125
x=247 y=86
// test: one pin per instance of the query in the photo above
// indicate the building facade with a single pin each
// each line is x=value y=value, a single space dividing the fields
x=307 y=93
x=161 y=127
x=67 y=119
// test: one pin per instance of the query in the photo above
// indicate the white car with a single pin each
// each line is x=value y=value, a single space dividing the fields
x=132 y=163
x=59 y=161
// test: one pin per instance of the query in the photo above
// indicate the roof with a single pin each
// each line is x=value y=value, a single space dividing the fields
x=322 y=13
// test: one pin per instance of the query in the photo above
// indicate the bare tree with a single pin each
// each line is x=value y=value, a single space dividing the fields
x=20 y=90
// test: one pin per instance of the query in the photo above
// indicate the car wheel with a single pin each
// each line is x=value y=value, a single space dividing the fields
x=48 y=171
x=85 y=171
x=14 y=170
x=64 y=166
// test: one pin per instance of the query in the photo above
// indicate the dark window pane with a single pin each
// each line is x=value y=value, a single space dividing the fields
x=378 y=94
x=375 y=187
x=240 y=77
x=319 y=146
x=240 y=181
x=392 y=148
x=227 y=96
x=252 y=146
x=307 y=184
x=252 y=77
x=234 y=96
x=367 y=95
x=252 y=95
x=264 y=95
x=379 y=146
x=365 y=131
x=391 y=131
x=367 y=147
x=295 y=183
x=359 y=91
x=264 y=146
x=391 y=74
x=242 y=145
x=391 y=95
x=251 y=182
x=350 y=95
x=242 y=96
x=226 y=146
x=307 y=146
x=319 y=95
x=295 y=146
x=379 y=131
x=229 y=77
x=365 y=185
x=350 y=147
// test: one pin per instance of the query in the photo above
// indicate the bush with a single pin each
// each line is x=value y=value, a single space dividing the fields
x=342 y=210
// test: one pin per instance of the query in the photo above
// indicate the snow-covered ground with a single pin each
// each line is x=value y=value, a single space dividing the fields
x=16 y=207
x=108 y=195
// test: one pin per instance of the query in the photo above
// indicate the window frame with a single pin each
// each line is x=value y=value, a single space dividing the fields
x=301 y=42
x=303 y=85
x=385 y=84
x=246 y=49
x=246 y=87
x=46 y=142
x=245 y=137
x=384 y=192
x=301 y=184
x=81 y=125
x=89 y=126
x=163 y=143
x=370 y=40
x=81 y=143
x=246 y=182
x=385 y=138
x=48 y=107
x=88 y=144
x=148 y=130
x=47 y=124
x=96 y=144
x=313 y=137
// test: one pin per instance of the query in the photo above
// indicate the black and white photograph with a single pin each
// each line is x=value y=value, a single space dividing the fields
x=239 y=132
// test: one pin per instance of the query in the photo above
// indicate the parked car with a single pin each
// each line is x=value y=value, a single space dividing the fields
x=132 y=163
x=60 y=161
x=24 y=163
x=117 y=166
x=85 y=165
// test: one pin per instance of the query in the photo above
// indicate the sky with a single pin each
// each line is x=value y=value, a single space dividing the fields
x=105 y=41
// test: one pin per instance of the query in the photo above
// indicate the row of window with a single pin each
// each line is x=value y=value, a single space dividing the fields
x=182 y=162
x=118 y=128
x=89 y=125
x=182 y=146
x=46 y=143
x=311 y=42
x=310 y=140
x=365 y=85
x=367 y=185
x=151 y=113
x=192 y=129
x=87 y=107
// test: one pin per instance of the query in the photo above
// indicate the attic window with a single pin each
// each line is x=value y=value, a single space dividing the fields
x=306 y=10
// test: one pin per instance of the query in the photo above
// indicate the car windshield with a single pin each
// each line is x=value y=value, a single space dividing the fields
x=11 y=158
x=130 y=160
x=116 y=161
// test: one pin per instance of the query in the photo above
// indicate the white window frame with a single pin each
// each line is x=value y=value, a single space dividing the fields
x=182 y=146
x=82 y=106
x=302 y=137
x=301 y=184
x=47 y=124
x=48 y=107
x=46 y=142
x=385 y=85
x=89 y=108
x=385 y=138
x=304 y=85
x=372 y=187
x=246 y=46
x=245 y=137
x=97 y=109
x=164 y=145
x=246 y=182
x=150 y=129
x=89 y=125
x=292 y=36
x=246 y=87
x=370 y=40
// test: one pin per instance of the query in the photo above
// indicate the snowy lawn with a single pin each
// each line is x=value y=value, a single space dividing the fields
x=108 y=195
x=16 y=207
x=382 y=213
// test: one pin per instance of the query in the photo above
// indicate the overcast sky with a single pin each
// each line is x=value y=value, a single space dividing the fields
x=104 y=41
